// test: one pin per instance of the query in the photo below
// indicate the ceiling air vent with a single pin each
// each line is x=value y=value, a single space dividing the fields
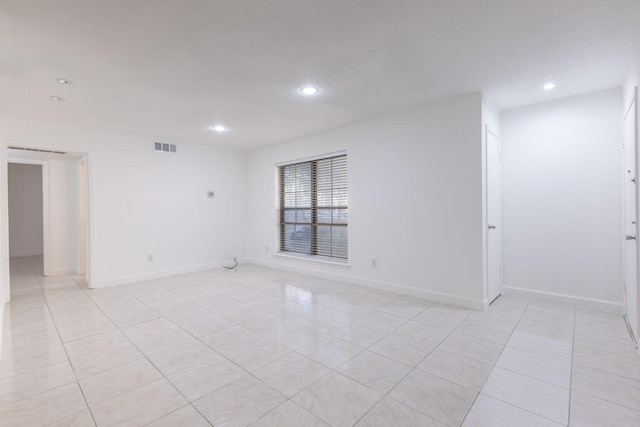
x=36 y=150
x=163 y=147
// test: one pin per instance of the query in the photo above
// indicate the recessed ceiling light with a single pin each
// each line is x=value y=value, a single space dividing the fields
x=309 y=90
x=64 y=81
x=218 y=128
x=549 y=86
x=57 y=98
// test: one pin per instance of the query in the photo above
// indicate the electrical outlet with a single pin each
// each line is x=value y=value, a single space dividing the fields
x=210 y=194
x=150 y=258
x=374 y=263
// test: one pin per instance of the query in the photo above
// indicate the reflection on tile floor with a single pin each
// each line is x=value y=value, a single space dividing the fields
x=265 y=347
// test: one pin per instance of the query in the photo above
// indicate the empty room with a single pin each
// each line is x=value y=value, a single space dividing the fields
x=319 y=213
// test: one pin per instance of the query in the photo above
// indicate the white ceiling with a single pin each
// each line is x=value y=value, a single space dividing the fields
x=169 y=68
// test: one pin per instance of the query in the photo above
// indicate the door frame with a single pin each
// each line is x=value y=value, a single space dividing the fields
x=83 y=157
x=631 y=110
x=487 y=133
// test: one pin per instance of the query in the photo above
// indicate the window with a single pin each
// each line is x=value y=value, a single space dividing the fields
x=314 y=208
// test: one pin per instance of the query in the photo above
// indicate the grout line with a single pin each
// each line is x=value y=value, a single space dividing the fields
x=496 y=361
x=573 y=343
x=313 y=314
x=68 y=359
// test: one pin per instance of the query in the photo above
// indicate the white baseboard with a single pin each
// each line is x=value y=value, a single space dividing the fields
x=65 y=271
x=123 y=280
x=25 y=253
x=597 y=304
x=340 y=275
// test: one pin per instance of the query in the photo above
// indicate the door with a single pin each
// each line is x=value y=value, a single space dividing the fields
x=494 y=216
x=630 y=216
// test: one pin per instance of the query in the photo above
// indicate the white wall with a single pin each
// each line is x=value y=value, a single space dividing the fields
x=632 y=79
x=562 y=199
x=143 y=202
x=415 y=201
x=64 y=221
x=25 y=209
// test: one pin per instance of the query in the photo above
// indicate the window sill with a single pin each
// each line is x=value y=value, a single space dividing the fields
x=312 y=259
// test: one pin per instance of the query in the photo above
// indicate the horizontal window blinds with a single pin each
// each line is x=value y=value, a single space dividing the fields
x=314 y=207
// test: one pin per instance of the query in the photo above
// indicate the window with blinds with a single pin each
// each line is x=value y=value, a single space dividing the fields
x=314 y=208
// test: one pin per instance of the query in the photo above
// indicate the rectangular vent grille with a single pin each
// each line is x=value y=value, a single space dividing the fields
x=36 y=150
x=163 y=147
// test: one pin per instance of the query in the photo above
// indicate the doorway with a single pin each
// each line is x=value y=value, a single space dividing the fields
x=25 y=184
x=64 y=213
x=630 y=137
x=25 y=191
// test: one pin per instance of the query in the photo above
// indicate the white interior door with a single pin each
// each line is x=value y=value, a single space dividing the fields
x=631 y=216
x=494 y=216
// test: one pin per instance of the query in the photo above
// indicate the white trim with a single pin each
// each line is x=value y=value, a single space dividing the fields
x=5 y=287
x=123 y=280
x=65 y=271
x=25 y=253
x=598 y=304
x=89 y=232
x=485 y=221
x=1 y=322
x=633 y=110
x=84 y=155
x=375 y=284
x=310 y=158
x=46 y=222
x=313 y=259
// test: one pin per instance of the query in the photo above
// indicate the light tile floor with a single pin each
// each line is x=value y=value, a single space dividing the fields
x=264 y=347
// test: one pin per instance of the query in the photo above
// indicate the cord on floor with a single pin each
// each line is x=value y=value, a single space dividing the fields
x=232 y=267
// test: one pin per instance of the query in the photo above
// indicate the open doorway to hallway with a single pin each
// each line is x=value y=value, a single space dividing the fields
x=47 y=201
x=25 y=193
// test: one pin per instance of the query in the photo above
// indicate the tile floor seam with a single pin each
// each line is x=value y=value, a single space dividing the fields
x=167 y=378
x=376 y=342
x=522 y=409
x=69 y=360
x=267 y=413
x=606 y=372
x=50 y=293
x=108 y=369
x=495 y=363
x=332 y=370
x=416 y=409
x=232 y=361
x=573 y=353
x=538 y=354
x=401 y=403
x=44 y=392
x=570 y=372
x=47 y=391
x=533 y=378
x=414 y=368
x=144 y=355
x=385 y=395
x=617 y=403
x=70 y=415
x=189 y=404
